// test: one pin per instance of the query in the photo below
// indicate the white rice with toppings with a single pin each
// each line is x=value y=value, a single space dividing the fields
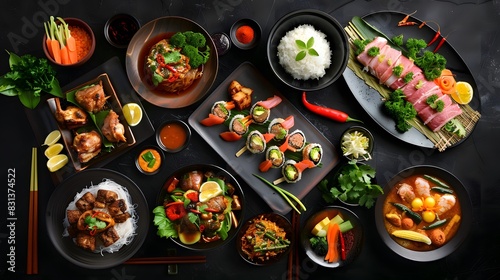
x=310 y=67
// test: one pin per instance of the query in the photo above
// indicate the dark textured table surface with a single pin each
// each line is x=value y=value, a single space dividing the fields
x=473 y=32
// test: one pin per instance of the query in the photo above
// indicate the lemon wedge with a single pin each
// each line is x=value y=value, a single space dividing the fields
x=52 y=138
x=57 y=162
x=208 y=190
x=53 y=150
x=319 y=228
x=132 y=113
x=463 y=93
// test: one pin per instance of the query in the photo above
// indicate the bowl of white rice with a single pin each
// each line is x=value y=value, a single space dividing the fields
x=308 y=50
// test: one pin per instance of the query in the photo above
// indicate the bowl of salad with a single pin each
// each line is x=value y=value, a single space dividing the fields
x=332 y=237
x=200 y=207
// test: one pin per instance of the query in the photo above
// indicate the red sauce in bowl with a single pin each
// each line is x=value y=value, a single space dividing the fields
x=173 y=136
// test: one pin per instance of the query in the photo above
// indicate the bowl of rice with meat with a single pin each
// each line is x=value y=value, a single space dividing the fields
x=308 y=50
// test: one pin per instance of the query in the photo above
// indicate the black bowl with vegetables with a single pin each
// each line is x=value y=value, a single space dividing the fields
x=265 y=239
x=200 y=207
x=338 y=248
x=432 y=223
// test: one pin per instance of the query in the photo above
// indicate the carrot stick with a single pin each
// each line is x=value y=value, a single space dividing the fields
x=64 y=50
x=56 y=48
x=332 y=236
x=70 y=42
x=48 y=40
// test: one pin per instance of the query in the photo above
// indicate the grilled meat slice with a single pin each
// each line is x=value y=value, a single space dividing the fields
x=191 y=181
x=86 y=241
x=121 y=218
x=73 y=216
x=87 y=145
x=109 y=236
x=91 y=98
x=106 y=196
x=112 y=129
x=117 y=207
x=217 y=204
x=72 y=117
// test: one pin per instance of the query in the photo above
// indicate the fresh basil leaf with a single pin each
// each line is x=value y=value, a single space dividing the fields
x=301 y=44
x=310 y=42
x=313 y=52
x=300 y=56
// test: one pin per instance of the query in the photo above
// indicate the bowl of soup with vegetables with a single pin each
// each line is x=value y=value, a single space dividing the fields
x=424 y=214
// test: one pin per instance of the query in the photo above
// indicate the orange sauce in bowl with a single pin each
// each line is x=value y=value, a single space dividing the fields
x=144 y=165
x=173 y=136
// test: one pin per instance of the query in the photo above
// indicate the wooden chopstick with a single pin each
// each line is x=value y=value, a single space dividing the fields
x=32 y=267
x=293 y=257
x=167 y=260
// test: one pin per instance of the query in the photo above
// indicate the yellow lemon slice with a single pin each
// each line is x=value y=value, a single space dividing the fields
x=463 y=93
x=57 y=162
x=132 y=113
x=53 y=150
x=208 y=190
x=52 y=138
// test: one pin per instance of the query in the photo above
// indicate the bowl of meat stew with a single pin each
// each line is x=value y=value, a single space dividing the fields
x=200 y=207
x=424 y=214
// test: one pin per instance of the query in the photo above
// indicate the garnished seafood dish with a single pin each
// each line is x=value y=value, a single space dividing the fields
x=173 y=64
x=422 y=212
x=199 y=206
x=264 y=239
x=91 y=121
x=101 y=218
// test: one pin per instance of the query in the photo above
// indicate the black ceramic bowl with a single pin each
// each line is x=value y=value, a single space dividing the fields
x=335 y=35
x=353 y=239
x=65 y=194
x=238 y=214
x=176 y=138
x=256 y=33
x=281 y=222
x=371 y=143
x=465 y=222
x=120 y=29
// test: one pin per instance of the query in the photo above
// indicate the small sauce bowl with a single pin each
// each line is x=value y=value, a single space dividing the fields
x=120 y=29
x=255 y=38
x=362 y=132
x=149 y=160
x=173 y=136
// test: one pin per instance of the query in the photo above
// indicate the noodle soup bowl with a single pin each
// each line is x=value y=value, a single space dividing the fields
x=335 y=35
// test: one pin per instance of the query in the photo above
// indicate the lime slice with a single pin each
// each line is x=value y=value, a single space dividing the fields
x=52 y=138
x=132 y=113
x=463 y=93
x=53 y=150
x=57 y=162
x=208 y=190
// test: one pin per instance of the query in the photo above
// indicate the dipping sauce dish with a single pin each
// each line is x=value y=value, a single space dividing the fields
x=173 y=136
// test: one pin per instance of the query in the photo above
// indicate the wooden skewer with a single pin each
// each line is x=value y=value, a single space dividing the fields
x=32 y=255
x=167 y=260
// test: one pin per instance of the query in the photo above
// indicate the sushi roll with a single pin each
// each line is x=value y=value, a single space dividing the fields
x=256 y=143
x=259 y=113
x=239 y=124
x=276 y=156
x=222 y=109
x=295 y=141
x=313 y=152
x=290 y=172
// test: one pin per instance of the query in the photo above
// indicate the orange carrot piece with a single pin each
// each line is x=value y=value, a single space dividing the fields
x=64 y=50
x=332 y=236
x=70 y=42
x=446 y=81
x=48 y=40
x=54 y=43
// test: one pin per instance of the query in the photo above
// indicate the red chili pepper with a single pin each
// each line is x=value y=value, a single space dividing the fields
x=230 y=136
x=409 y=23
x=212 y=120
x=202 y=228
x=193 y=196
x=405 y=19
x=440 y=44
x=330 y=113
x=175 y=211
x=211 y=210
x=434 y=39
x=342 y=246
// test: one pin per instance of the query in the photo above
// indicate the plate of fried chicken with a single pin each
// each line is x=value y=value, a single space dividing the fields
x=91 y=122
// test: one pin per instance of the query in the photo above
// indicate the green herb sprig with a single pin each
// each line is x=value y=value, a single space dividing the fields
x=305 y=49
x=353 y=183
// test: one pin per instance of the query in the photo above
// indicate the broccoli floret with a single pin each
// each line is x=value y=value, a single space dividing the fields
x=195 y=39
x=178 y=40
x=373 y=51
x=319 y=245
x=196 y=56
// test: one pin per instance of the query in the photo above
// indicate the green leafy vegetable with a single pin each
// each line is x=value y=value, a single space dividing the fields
x=398 y=40
x=93 y=223
x=305 y=49
x=400 y=110
x=434 y=103
x=28 y=79
x=166 y=228
x=373 y=51
x=353 y=183
x=319 y=245
x=456 y=127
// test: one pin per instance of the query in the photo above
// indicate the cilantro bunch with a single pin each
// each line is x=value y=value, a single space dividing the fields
x=28 y=78
x=352 y=184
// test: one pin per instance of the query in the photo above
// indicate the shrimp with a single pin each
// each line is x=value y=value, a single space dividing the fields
x=406 y=193
x=422 y=187
x=445 y=203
